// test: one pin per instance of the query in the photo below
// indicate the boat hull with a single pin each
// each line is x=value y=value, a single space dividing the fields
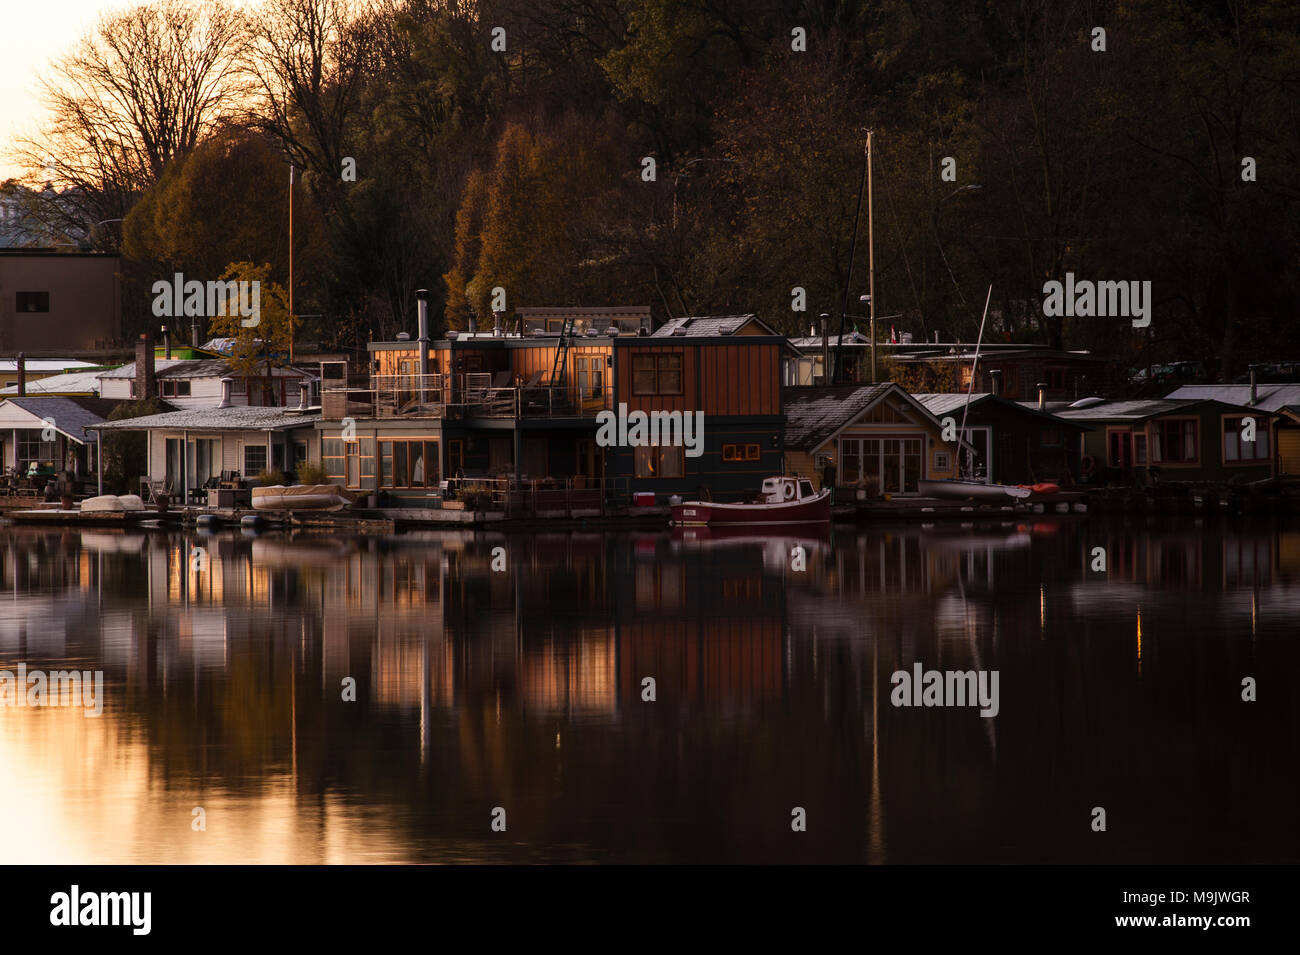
x=971 y=490
x=814 y=510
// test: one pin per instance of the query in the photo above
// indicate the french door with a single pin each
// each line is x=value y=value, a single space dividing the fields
x=892 y=465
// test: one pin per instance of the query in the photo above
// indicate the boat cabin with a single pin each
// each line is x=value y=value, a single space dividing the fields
x=781 y=490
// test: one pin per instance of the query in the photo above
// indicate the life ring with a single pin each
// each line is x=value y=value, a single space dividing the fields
x=1088 y=465
x=789 y=491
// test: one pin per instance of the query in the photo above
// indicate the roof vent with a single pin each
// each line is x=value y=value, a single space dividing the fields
x=680 y=330
x=452 y=334
x=1087 y=402
x=403 y=336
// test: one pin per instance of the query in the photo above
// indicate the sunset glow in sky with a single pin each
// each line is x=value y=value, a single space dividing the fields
x=32 y=34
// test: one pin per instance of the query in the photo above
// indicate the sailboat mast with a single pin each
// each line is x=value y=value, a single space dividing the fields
x=871 y=260
x=848 y=280
x=974 y=365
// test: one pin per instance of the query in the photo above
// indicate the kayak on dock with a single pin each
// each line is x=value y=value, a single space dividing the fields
x=971 y=490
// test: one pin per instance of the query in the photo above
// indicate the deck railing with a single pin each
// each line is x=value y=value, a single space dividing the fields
x=540 y=496
x=471 y=395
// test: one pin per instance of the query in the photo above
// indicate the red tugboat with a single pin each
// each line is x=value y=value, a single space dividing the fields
x=785 y=500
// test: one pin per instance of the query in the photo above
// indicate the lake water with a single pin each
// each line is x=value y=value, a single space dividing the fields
x=508 y=671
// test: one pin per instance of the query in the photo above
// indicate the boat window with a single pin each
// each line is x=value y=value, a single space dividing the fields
x=805 y=489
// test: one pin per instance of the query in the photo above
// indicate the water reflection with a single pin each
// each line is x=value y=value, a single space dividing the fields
x=509 y=670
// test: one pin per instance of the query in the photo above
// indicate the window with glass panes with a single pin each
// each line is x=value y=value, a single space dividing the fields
x=408 y=463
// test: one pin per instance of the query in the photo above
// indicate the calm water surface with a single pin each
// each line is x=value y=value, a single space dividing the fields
x=522 y=688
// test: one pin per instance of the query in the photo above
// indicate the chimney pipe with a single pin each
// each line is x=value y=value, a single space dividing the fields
x=1042 y=396
x=304 y=390
x=22 y=375
x=496 y=324
x=194 y=334
x=995 y=381
x=826 y=350
x=1254 y=388
x=167 y=342
x=146 y=383
x=225 y=393
x=422 y=311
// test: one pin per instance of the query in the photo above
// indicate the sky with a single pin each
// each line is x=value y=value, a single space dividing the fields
x=32 y=34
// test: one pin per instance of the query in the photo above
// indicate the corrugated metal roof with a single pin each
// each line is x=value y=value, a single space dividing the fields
x=1271 y=397
x=938 y=404
x=78 y=382
x=235 y=418
x=815 y=341
x=128 y=370
x=814 y=414
x=46 y=364
x=70 y=416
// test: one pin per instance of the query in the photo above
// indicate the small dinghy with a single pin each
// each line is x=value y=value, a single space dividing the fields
x=112 y=504
x=301 y=497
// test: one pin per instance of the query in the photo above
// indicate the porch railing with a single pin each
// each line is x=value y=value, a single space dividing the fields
x=469 y=395
x=540 y=496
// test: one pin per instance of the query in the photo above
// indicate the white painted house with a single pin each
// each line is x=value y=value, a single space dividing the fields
x=197 y=383
x=190 y=448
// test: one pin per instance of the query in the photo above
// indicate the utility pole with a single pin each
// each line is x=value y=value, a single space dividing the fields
x=291 y=263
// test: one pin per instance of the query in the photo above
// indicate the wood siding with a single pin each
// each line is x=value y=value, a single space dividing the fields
x=719 y=379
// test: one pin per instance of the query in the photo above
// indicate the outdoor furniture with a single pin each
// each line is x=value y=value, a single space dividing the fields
x=158 y=490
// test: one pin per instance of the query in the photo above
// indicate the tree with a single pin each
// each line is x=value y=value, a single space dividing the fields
x=144 y=87
x=256 y=348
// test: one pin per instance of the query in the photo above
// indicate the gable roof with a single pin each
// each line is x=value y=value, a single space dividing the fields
x=815 y=415
x=68 y=416
x=945 y=403
x=709 y=326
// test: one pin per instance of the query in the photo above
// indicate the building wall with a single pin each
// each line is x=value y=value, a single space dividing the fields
x=230 y=447
x=718 y=379
x=1210 y=465
x=84 y=302
x=1288 y=446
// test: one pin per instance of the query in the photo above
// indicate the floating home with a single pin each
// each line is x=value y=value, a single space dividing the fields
x=1173 y=439
x=1012 y=443
x=46 y=435
x=864 y=440
x=515 y=409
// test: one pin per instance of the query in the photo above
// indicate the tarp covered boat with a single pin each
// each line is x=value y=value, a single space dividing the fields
x=301 y=497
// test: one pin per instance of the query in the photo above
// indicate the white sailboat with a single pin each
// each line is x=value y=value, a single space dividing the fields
x=966 y=488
